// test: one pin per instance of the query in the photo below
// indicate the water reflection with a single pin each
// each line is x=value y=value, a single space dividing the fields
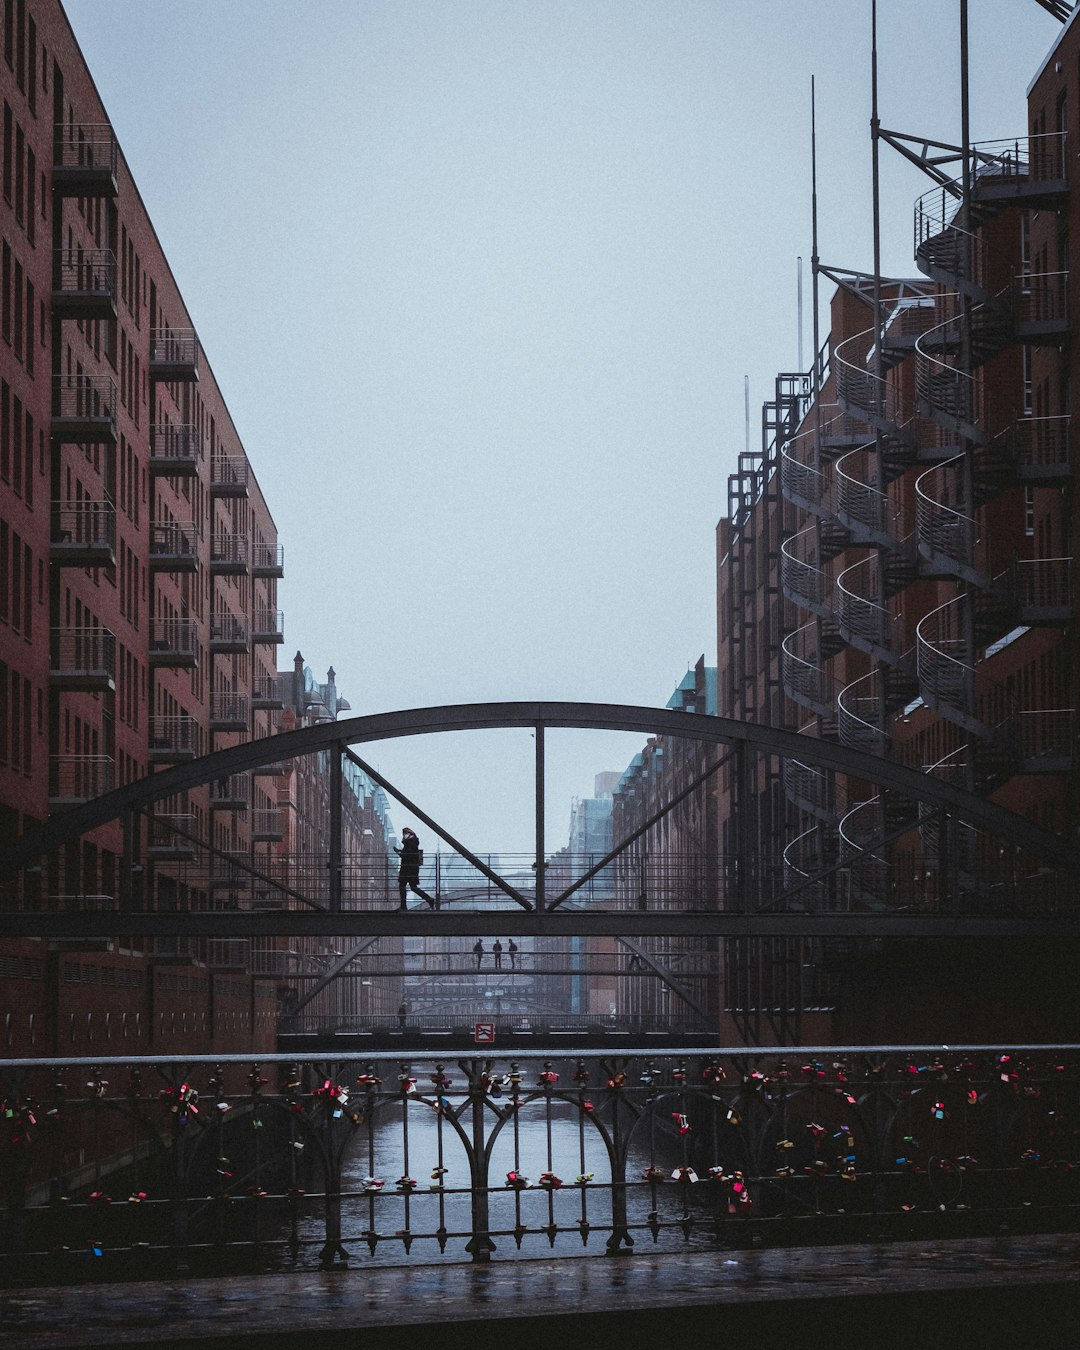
x=538 y=1147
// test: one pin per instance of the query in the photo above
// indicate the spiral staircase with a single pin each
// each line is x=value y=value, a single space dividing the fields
x=889 y=483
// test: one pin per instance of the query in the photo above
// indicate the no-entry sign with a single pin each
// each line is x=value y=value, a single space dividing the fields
x=484 y=1033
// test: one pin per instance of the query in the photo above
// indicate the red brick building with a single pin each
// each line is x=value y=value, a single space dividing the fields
x=139 y=564
x=895 y=573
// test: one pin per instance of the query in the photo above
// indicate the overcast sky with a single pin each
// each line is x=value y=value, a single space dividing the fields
x=481 y=281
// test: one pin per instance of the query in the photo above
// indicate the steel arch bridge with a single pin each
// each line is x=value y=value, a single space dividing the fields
x=778 y=912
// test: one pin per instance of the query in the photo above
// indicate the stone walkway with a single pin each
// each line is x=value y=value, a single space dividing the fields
x=1015 y=1292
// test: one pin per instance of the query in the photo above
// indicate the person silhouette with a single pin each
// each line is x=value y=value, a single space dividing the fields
x=411 y=856
x=496 y=951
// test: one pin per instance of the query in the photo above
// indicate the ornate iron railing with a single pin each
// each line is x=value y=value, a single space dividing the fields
x=127 y=1167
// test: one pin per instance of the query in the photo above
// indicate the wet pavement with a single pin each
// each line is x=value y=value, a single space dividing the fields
x=1006 y=1291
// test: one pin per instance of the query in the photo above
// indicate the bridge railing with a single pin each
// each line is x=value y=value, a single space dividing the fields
x=257 y=879
x=132 y=1168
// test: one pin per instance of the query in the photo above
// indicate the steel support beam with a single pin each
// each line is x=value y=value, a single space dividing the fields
x=516 y=923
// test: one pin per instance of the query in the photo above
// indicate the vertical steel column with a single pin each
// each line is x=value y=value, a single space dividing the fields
x=480 y=1244
x=540 y=901
x=335 y=829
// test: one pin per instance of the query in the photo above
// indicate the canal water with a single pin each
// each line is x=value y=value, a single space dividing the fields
x=548 y=1221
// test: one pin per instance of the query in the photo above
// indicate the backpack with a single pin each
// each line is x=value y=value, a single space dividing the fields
x=419 y=856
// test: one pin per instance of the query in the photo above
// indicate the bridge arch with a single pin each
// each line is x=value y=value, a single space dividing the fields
x=755 y=738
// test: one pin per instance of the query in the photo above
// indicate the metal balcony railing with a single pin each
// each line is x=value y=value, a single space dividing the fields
x=1039 y=588
x=78 y=778
x=859 y=391
x=860 y=721
x=174 y=354
x=265 y=693
x=230 y=794
x=173 y=641
x=267 y=823
x=228 y=632
x=175 y=450
x=171 y=837
x=84 y=409
x=84 y=283
x=229 y=475
x=83 y=533
x=174 y=545
x=175 y=737
x=83 y=658
x=1041 y=301
x=805 y=679
x=812 y=789
x=860 y=831
x=84 y=160
x=863 y=619
x=229 y=553
x=803 y=582
x=864 y=508
x=267 y=560
x=268 y=626
x=1029 y=159
x=950 y=682
x=229 y=954
x=229 y=711
x=1041 y=447
x=1047 y=735
x=415 y=1163
x=946 y=535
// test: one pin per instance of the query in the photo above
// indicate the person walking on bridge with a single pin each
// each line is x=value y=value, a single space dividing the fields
x=478 y=952
x=411 y=855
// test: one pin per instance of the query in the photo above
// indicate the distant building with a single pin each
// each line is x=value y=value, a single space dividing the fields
x=672 y=864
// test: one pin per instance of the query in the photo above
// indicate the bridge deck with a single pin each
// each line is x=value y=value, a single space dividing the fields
x=1006 y=1291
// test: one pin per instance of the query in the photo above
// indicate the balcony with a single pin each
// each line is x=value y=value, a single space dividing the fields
x=273 y=770
x=268 y=560
x=814 y=790
x=230 y=794
x=229 y=475
x=228 y=634
x=804 y=582
x=228 y=954
x=170 y=838
x=229 y=712
x=267 y=824
x=84 y=410
x=946 y=534
x=174 y=546
x=84 y=160
x=265 y=695
x=83 y=659
x=175 y=452
x=805 y=679
x=1041 y=307
x=84 y=284
x=83 y=534
x=863 y=617
x=950 y=683
x=175 y=739
x=229 y=555
x=174 y=355
x=1046 y=739
x=231 y=871
x=268 y=626
x=79 y=778
x=174 y=643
